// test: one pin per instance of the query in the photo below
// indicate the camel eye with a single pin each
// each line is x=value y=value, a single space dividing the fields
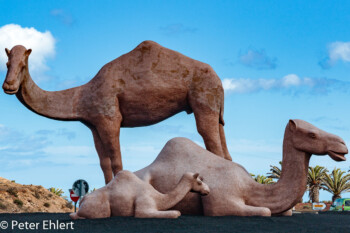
x=312 y=135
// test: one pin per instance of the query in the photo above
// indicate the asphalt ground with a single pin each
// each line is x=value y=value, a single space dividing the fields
x=48 y=222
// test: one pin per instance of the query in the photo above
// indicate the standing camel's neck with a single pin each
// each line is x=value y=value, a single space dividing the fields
x=166 y=201
x=59 y=105
x=284 y=194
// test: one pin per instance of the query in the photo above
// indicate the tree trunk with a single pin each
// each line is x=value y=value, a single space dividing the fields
x=335 y=197
x=315 y=194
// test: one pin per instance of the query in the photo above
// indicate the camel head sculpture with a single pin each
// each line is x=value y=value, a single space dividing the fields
x=310 y=139
x=17 y=63
x=198 y=186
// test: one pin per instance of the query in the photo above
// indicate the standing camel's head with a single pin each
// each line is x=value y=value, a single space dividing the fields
x=17 y=62
x=310 y=139
x=198 y=186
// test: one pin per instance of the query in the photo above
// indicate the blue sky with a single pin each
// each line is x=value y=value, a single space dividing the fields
x=278 y=60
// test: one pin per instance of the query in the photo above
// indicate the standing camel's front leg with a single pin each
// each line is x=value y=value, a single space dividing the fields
x=105 y=161
x=106 y=136
x=109 y=131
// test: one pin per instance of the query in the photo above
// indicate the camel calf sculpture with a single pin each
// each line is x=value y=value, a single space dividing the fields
x=232 y=190
x=127 y=195
x=140 y=88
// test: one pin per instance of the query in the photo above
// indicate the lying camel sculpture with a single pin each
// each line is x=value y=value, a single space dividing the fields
x=233 y=191
x=140 y=88
x=128 y=195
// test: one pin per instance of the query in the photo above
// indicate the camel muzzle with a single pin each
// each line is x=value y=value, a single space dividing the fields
x=337 y=156
x=10 y=86
x=10 y=89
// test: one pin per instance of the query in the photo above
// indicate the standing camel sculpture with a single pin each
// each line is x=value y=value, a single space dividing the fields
x=140 y=88
x=232 y=190
x=128 y=195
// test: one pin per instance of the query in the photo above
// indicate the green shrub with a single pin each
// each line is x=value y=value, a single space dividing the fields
x=56 y=191
x=18 y=202
x=12 y=191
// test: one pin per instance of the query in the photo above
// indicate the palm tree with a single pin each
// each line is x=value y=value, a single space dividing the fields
x=314 y=182
x=275 y=171
x=56 y=191
x=262 y=179
x=336 y=183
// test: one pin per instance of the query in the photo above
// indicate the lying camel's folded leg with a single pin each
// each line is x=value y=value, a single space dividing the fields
x=157 y=214
x=145 y=207
x=214 y=207
x=285 y=213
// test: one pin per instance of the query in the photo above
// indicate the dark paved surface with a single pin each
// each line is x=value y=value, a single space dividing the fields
x=323 y=222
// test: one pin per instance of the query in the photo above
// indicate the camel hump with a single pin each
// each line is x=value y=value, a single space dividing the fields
x=148 y=44
x=125 y=174
x=178 y=141
x=176 y=148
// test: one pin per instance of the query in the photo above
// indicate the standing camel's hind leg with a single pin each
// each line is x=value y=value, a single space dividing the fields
x=207 y=125
x=223 y=143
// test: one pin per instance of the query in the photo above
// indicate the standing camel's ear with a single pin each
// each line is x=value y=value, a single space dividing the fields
x=292 y=125
x=7 y=52
x=196 y=175
x=27 y=53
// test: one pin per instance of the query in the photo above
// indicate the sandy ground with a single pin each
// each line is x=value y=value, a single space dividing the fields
x=323 y=222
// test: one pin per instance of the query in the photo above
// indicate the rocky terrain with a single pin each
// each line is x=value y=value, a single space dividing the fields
x=18 y=198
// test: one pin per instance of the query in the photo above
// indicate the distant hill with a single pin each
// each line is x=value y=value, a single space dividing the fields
x=18 y=198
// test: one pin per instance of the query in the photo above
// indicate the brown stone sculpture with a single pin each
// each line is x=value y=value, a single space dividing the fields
x=128 y=195
x=140 y=88
x=233 y=191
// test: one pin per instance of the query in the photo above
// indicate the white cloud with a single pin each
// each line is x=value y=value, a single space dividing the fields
x=291 y=80
x=288 y=82
x=336 y=51
x=63 y=16
x=42 y=44
x=257 y=59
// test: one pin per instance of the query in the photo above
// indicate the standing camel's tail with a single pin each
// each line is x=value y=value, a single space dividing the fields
x=222 y=133
x=221 y=115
